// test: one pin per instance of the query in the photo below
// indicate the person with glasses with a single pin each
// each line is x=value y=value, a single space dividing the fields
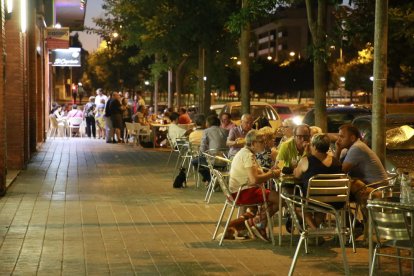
x=292 y=150
x=246 y=173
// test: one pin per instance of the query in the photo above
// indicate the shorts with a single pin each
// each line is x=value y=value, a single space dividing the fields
x=251 y=196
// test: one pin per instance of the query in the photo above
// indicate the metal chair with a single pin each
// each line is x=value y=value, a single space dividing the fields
x=311 y=205
x=231 y=202
x=359 y=209
x=333 y=189
x=56 y=127
x=173 y=146
x=392 y=222
x=216 y=158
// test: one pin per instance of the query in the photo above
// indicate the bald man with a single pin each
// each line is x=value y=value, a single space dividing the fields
x=235 y=141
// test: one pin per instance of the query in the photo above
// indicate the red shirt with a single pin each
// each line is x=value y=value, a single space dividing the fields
x=184 y=119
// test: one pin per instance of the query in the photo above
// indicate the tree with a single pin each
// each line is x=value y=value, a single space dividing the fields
x=240 y=23
x=317 y=27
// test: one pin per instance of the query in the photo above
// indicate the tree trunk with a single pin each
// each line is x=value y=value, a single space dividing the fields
x=380 y=78
x=244 y=67
x=200 y=86
x=179 y=80
x=207 y=81
x=317 y=29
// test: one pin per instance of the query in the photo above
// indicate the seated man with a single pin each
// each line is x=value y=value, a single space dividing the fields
x=235 y=141
x=184 y=117
x=292 y=150
x=195 y=136
x=245 y=170
x=359 y=161
x=318 y=161
x=226 y=122
x=213 y=138
x=75 y=112
x=174 y=131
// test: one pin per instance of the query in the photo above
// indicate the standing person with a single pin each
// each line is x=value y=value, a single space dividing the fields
x=89 y=115
x=100 y=121
x=81 y=92
x=74 y=93
x=99 y=97
x=109 y=130
x=116 y=116
x=126 y=116
x=141 y=101
x=236 y=136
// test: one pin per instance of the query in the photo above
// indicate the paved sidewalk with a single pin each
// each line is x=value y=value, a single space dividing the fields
x=87 y=207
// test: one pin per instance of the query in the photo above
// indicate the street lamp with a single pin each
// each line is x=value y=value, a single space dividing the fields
x=292 y=54
x=342 y=79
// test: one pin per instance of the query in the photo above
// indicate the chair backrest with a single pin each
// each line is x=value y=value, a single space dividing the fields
x=53 y=121
x=130 y=128
x=75 y=121
x=390 y=222
x=223 y=184
x=217 y=157
x=329 y=188
x=144 y=130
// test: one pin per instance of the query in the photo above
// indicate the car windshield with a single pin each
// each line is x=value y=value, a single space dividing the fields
x=283 y=110
x=256 y=111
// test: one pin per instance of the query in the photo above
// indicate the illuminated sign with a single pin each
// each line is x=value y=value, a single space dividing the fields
x=57 y=38
x=66 y=57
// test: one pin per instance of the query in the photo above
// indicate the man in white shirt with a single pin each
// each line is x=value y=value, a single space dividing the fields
x=100 y=96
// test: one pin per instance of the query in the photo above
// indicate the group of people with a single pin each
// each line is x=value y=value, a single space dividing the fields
x=105 y=116
x=304 y=151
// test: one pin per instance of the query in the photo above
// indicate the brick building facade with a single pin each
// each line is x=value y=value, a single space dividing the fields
x=24 y=87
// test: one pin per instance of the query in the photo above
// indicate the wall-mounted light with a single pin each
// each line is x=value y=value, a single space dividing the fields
x=23 y=15
x=9 y=9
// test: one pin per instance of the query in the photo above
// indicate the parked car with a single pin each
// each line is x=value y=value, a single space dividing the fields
x=257 y=109
x=337 y=116
x=399 y=139
x=217 y=108
x=284 y=111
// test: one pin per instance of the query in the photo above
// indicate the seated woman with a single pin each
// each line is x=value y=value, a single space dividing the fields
x=245 y=170
x=318 y=161
x=266 y=159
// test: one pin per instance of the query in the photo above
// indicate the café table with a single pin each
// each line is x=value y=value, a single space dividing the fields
x=155 y=127
x=285 y=181
x=392 y=201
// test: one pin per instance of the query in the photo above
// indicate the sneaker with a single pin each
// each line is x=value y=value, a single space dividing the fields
x=260 y=233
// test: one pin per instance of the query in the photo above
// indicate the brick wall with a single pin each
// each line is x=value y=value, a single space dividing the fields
x=2 y=106
x=16 y=103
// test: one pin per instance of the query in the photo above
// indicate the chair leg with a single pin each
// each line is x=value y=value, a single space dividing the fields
x=213 y=184
x=399 y=262
x=342 y=243
x=219 y=221
x=374 y=258
x=295 y=257
x=351 y=229
x=227 y=224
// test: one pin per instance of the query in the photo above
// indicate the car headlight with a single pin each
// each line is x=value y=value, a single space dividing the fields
x=297 y=120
